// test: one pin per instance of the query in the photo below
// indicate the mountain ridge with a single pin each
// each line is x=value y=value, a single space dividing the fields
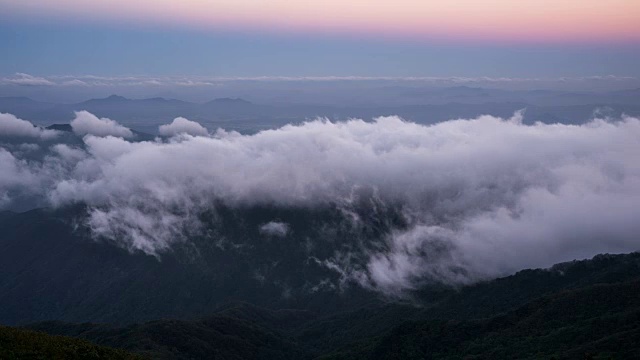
x=593 y=308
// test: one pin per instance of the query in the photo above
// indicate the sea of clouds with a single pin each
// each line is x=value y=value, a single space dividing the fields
x=483 y=197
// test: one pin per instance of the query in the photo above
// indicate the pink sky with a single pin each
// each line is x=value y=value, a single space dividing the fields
x=494 y=20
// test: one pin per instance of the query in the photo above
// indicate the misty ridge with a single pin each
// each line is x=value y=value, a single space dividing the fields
x=386 y=204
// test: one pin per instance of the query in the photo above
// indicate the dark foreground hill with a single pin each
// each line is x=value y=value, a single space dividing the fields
x=579 y=310
x=596 y=322
x=26 y=344
x=224 y=335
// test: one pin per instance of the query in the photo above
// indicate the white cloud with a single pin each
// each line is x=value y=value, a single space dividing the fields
x=461 y=171
x=481 y=198
x=13 y=126
x=85 y=123
x=181 y=125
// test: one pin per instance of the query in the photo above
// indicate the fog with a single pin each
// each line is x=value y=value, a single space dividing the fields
x=482 y=197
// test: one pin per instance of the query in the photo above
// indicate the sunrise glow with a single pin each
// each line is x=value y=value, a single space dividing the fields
x=493 y=20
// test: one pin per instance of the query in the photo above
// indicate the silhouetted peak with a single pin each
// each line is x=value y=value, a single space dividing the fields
x=108 y=100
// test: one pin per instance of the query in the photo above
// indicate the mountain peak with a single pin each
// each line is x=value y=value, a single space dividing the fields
x=115 y=97
x=109 y=99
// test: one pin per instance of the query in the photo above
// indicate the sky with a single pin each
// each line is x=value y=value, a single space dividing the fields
x=329 y=38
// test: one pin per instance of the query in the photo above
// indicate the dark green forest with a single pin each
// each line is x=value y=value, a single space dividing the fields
x=25 y=344
x=578 y=310
x=203 y=300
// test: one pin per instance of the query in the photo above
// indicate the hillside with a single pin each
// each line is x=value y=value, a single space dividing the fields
x=579 y=309
x=25 y=344
x=52 y=270
x=596 y=322
x=219 y=336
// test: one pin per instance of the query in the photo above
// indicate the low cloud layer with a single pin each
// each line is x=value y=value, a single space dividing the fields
x=22 y=79
x=480 y=198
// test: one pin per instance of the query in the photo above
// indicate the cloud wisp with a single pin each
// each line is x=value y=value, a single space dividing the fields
x=275 y=228
x=480 y=197
x=22 y=79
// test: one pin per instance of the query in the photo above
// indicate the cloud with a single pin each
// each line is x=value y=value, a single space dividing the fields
x=181 y=125
x=474 y=199
x=195 y=83
x=28 y=80
x=209 y=81
x=16 y=177
x=85 y=123
x=74 y=82
x=275 y=228
x=12 y=126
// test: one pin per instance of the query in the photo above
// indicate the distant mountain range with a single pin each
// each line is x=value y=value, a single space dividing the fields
x=146 y=115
